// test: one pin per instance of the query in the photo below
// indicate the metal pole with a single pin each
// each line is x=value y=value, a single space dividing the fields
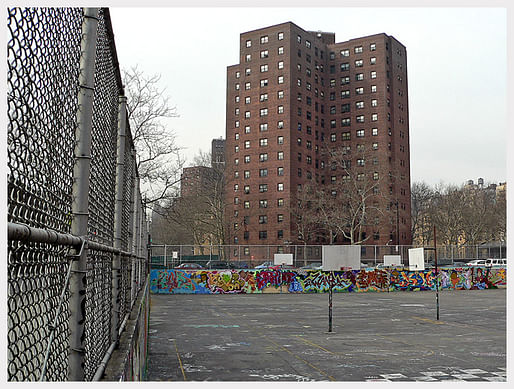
x=118 y=215
x=330 y=302
x=165 y=258
x=80 y=192
x=436 y=277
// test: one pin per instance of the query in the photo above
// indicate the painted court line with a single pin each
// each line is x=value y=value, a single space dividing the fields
x=180 y=361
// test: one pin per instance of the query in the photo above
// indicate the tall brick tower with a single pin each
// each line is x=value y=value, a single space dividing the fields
x=296 y=93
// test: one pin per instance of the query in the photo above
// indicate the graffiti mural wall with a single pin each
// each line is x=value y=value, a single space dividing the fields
x=317 y=281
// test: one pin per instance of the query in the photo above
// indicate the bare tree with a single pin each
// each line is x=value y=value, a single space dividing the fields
x=422 y=225
x=158 y=160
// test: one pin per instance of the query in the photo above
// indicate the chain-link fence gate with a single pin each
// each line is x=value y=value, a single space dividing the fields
x=77 y=232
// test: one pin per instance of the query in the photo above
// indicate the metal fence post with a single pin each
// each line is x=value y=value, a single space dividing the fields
x=80 y=192
x=118 y=215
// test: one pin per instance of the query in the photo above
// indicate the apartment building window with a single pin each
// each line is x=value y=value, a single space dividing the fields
x=280 y=140
x=299 y=39
x=263 y=235
x=375 y=176
x=280 y=94
x=359 y=77
x=247 y=114
x=246 y=204
x=281 y=50
x=247 y=129
x=264 y=39
x=309 y=160
x=374 y=146
x=280 y=124
x=345 y=66
x=264 y=82
x=299 y=141
x=236 y=174
x=299 y=82
x=280 y=155
x=360 y=177
x=374 y=131
x=359 y=91
x=372 y=46
x=332 y=83
x=248 y=71
x=248 y=43
x=359 y=63
x=345 y=94
x=247 y=189
x=345 y=108
x=280 y=203
x=333 y=123
x=357 y=50
x=281 y=64
x=373 y=74
x=263 y=142
x=345 y=80
x=263 y=97
x=346 y=135
x=263 y=127
x=247 y=159
x=280 y=187
x=374 y=117
x=280 y=171
x=264 y=68
x=263 y=219
x=264 y=54
x=238 y=87
x=359 y=104
x=247 y=144
x=263 y=157
x=247 y=174
x=373 y=60
x=263 y=172
x=308 y=44
x=263 y=188
x=236 y=111
x=263 y=112
x=280 y=109
x=280 y=79
x=236 y=124
x=373 y=88
x=247 y=100
x=360 y=119
x=237 y=99
x=263 y=203
x=360 y=162
x=374 y=102
x=247 y=86
x=360 y=133
x=345 y=53
x=236 y=148
x=236 y=161
x=280 y=36
x=345 y=122
x=248 y=57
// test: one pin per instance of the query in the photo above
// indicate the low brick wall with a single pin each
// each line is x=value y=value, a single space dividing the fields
x=317 y=281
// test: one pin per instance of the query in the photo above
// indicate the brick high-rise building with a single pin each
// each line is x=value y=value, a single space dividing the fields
x=296 y=94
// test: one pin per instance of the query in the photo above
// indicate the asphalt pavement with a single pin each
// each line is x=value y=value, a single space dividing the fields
x=284 y=337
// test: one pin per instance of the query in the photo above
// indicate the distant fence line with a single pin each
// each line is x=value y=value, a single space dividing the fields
x=171 y=255
x=77 y=231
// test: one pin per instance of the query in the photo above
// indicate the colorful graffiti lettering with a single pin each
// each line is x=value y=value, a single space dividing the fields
x=317 y=281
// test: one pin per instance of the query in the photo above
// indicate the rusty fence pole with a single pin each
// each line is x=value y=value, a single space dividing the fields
x=80 y=193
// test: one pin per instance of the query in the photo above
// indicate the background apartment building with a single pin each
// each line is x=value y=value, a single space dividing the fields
x=297 y=102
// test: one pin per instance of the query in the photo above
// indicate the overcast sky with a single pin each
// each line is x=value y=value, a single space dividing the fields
x=457 y=73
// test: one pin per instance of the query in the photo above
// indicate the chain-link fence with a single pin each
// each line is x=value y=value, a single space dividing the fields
x=249 y=256
x=77 y=243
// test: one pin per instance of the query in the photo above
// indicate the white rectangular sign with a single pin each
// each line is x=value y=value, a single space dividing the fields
x=417 y=259
x=392 y=260
x=283 y=259
x=341 y=256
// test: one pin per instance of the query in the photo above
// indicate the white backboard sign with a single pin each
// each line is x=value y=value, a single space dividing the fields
x=283 y=259
x=175 y=254
x=417 y=259
x=392 y=260
x=341 y=256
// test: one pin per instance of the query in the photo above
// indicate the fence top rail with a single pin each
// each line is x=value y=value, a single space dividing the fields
x=22 y=232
